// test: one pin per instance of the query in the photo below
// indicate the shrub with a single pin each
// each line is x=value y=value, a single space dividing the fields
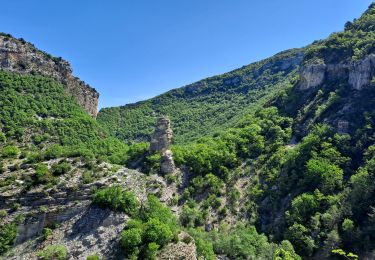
x=2 y=138
x=150 y=252
x=55 y=252
x=118 y=199
x=8 y=233
x=34 y=157
x=325 y=175
x=92 y=257
x=61 y=168
x=87 y=177
x=3 y=213
x=298 y=235
x=54 y=151
x=156 y=231
x=42 y=174
x=46 y=233
x=131 y=239
x=154 y=209
x=10 y=151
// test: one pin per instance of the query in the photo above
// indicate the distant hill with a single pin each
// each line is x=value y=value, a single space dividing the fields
x=207 y=106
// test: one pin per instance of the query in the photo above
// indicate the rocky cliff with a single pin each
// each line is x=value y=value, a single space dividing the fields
x=356 y=73
x=20 y=56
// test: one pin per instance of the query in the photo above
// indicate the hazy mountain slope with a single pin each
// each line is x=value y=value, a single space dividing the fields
x=207 y=106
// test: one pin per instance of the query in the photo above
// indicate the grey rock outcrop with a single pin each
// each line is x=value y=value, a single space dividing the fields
x=356 y=73
x=160 y=143
x=361 y=72
x=312 y=76
x=184 y=249
x=19 y=56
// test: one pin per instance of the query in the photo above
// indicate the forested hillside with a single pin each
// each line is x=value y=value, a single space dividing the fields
x=207 y=106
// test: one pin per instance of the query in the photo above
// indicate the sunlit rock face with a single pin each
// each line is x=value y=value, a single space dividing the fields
x=357 y=73
x=160 y=143
x=19 y=56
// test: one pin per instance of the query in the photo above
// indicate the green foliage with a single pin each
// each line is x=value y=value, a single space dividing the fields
x=42 y=174
x=154 y=209
x=54 y=119
x=55 y=252
x=206 y=107
x=131 y=239
x=342 y=253
x=60 y=168
x=191 y=216
x=285 y=252
x=203 y=243
x=118 y=199
x=347 y=225
x=47 y=232
x=8 y=233
x=93 y=257
x=354 y=43
x=154 y=227
x=2 y=138
x=10 y=151
x=298 y=235
x=158 y=232
x=150 y=252
x=324 y=175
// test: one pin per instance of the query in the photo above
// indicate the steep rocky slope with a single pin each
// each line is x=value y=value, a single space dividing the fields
x=17 y=55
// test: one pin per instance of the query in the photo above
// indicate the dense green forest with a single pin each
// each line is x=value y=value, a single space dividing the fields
x=39 y=118
x=207 y=106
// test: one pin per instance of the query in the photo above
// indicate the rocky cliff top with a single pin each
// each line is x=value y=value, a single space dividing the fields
x=17 y=55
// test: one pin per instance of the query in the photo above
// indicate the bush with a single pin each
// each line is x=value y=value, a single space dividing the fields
x=10 y=151
x=54 y=151
x=150 y=252
x=87 y=177
x=2 y=138
x=298 y=235
x=43 y=175
x=324 y=175
x=118 y=199
x=131 y=239
x=158 y=232
x=55 y=252
x=154 y=209
x=3 y=213
x=8 y=233
x=92 y=257
x=61 y=168
x=34 y=157
x=243 y=243
x=46 y=233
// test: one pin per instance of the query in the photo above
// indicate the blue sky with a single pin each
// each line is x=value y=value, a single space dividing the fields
x=131 y=50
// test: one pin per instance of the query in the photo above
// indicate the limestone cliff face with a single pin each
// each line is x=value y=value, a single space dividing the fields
x=357 y=73
x=19 y=56
x=160 y=143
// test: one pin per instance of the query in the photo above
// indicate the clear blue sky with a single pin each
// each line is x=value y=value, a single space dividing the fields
x=131 y=50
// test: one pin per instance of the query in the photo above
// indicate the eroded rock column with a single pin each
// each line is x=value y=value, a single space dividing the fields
x=160 y=143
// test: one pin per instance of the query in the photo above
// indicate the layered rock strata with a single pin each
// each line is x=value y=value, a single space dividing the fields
x=19 y=56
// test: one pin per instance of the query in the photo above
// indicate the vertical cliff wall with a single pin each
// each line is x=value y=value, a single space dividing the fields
x=20 y=56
